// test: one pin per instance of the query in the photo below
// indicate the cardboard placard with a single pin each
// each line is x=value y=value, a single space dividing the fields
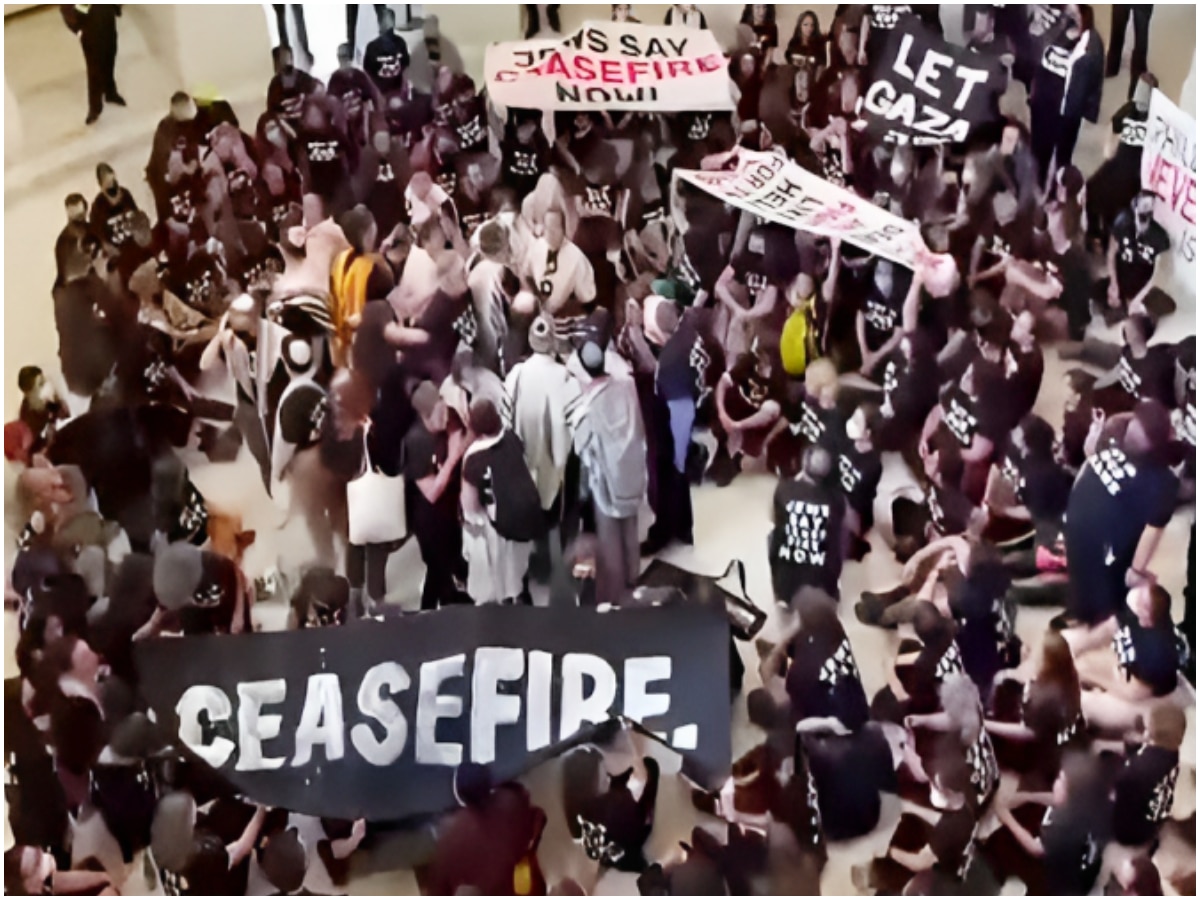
x=928 y=91
x=1169 y=171
x=614 y=66
x=369 y=720
x=776 y=189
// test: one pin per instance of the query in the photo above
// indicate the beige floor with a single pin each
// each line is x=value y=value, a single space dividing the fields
x=57 y=155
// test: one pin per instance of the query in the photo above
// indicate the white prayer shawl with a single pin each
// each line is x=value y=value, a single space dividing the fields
x=541 y=390
x=611 y=442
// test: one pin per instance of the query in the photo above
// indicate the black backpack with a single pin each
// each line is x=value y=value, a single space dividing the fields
x=519 y=515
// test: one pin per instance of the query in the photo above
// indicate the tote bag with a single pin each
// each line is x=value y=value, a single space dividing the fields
x=375 y=503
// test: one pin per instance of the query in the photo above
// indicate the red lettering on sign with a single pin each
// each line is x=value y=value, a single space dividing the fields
x=610 y=71
x=676 y=67
x=710 y=63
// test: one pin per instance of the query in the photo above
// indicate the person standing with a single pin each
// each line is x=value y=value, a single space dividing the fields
x=386 y=57
x=432 y=452
x=96 y=25
x=1141 y=40
x=611 y=443
x=542 y=389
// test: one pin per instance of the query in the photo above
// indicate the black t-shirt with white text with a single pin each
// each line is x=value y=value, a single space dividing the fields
x=808 y=534
x=1136 y=253
x=1144 y=794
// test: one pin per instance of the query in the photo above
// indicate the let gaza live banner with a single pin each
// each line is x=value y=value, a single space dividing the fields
x=1169 y=171
x=612 y=66
x=927 y=91
x=369 y=720
x=776 y=189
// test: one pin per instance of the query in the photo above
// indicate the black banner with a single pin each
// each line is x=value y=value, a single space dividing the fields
x=927 y=91
x=369 y=720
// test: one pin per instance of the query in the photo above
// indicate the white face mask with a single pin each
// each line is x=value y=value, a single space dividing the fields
x=508 y=217
x=855 y=430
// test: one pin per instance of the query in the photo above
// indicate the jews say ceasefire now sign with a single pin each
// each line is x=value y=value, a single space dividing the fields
x=612 y=66
x=927 y=91
x=369 y=720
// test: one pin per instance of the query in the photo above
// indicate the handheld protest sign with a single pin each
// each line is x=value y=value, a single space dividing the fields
x=1169 y=172
x=615 y=66
x=370 y=720
x=928 y=91
x=776 y=189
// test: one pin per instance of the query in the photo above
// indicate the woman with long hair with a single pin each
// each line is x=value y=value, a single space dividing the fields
x=759 y=20
x=1032 y=724
x=808 y=48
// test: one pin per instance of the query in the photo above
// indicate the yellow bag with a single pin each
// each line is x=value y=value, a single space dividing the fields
x=798 y=343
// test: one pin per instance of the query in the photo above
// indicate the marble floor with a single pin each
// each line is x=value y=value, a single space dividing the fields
x=55 y=155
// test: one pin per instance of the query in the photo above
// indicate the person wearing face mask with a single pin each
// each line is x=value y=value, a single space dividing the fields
x=1136 y=243
x=112 y=210
x=72 y=234
x=859 y=469
x=1117 y=181
x=41 y=407
x=879 y=323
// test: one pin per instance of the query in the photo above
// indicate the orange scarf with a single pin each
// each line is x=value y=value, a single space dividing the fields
x=348 y=295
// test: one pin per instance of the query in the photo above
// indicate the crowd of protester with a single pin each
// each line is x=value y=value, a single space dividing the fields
x=522 y=318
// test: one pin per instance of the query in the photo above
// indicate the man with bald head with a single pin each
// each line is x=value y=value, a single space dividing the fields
x=807 y=543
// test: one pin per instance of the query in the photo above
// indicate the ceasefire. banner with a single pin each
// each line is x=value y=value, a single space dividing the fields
x=612 y=66
x=776 y=189
x=369 y=720
x=1169 y=171
x=927 y=91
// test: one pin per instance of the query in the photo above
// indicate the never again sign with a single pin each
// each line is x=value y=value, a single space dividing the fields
x=612 y=65
x=369 y=720
x=928 y=91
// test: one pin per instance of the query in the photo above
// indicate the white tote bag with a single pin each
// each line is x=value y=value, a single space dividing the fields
x=375 y=503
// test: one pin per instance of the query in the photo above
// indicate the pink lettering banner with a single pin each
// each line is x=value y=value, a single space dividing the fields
x=614 y=66
x=1169 y=171
x=778 y=190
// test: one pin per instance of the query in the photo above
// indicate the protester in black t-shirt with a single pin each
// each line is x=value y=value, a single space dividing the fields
x=1060 y=853
x=1113 y=186
x=1123 y=498
x=1137 y=370
x=1144 y=791
x=112 y=210
x=807 y=545
x=859 y=468
x=386 y=58
x=909 y=377
x=1147 y=661
x=360 y=98
x=747 y=411
x=1032 y=724
x=431 y=453
x=971 y=414
x=290 y=88
x=1136 y=243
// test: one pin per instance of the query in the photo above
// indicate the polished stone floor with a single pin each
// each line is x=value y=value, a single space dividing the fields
x=55 y=154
